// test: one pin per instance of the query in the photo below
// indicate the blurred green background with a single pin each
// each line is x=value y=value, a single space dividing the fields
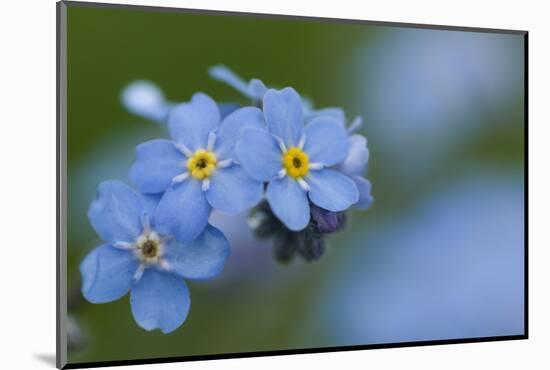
x=441 y=108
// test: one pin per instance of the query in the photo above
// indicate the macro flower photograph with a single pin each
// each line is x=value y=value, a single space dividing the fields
x=246 y=185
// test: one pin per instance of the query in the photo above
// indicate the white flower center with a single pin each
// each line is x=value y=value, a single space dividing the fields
x=149 y=248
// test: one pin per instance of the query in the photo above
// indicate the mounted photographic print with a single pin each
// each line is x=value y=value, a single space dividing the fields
x=235 y=185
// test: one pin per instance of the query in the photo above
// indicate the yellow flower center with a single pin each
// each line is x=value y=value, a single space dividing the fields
x=296 y=163
x=202 y=164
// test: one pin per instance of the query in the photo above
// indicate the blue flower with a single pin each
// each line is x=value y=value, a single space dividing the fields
x=294 y=159
x=197 y=170
x=145 y=99
x=139 y=259
x=356 y=162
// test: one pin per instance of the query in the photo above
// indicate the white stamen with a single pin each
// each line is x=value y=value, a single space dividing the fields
x=141 y=239
x=281 y=174
x=316 y=166
x=165 y=265
x=183 y=149
x=303 y=184
x=355 y=124
x=154 y=236
x=146 y=223
x=225 y=163
x=123 y=245
x=282 y=145
x=211 y=141
x=180 y=178
x=302 y=142
x=139 y=272
x=205 y=184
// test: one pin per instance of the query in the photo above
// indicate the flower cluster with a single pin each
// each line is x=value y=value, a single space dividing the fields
x=313 y=153
x=295 y=168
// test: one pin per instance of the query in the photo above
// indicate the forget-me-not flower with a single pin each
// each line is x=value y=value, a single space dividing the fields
x=145 y=99
x=356 y=162
x=138 y=257
x=197 y=169
x=294 y=159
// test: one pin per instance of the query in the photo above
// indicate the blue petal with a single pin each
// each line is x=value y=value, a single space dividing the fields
x=283 y=114
x=183 y=211
x=331 y=190
x=116 y=213
x=160 y=301
x=157 y=162
x=227 y=108
x=257 y=90
x=107 y=273
x=232 y=190
x=190 y=123
x=259 y=154
x=326 y=141
x=289 y=202
x=357 y=158
x=231 y=129
x=202 y=258
x=145 y=99
x=364 y=188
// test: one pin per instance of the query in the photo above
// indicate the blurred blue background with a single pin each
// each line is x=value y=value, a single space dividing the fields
x=438 y=256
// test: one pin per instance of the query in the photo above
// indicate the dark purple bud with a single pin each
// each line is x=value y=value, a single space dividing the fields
x=327 y=221
x=312 y=250
x=285 y=246
x=263 y=222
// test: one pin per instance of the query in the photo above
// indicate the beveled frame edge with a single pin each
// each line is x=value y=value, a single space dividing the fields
x=61 y=185
x=61 y=260
x=212 y=12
